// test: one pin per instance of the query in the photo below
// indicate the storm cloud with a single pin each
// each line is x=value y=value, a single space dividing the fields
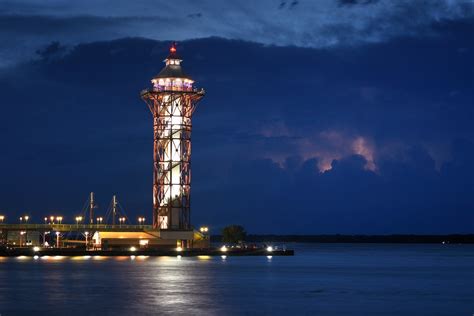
x=28 y=24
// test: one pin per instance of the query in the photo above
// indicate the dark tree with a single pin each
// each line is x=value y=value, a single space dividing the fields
x=233 y=234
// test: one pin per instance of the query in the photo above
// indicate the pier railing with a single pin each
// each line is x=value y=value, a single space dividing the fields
x=74 y=227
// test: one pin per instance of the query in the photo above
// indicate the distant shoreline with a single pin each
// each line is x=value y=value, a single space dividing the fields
x=394 y=239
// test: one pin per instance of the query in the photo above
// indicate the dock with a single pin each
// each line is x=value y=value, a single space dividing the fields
x=73 y=252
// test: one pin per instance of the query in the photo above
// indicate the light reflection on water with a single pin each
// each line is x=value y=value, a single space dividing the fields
x=320 y=279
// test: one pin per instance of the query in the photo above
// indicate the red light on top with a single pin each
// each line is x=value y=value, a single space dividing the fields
x=173 y=48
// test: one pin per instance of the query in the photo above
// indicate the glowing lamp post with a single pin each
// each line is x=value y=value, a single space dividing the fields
x=51 y=218
x=78 y=219
x=87 y=240
x=26 y=219
x=57 y=239
x=141 y=220
x=121 y=221
x=21 y=237
x=2 y=218
x=99 y=220
x=60 y=219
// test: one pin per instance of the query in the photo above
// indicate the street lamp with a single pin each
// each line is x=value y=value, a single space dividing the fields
x=51 y=219
x=99 y=220
x=27 y=218
x=78 y=219
x=2 y=218
x=121 y=221
x=21 y=219
x=204 y=229
x=87 y=235
x=21 y=237
x=45 y=220
x=57 y=239
x=60 y=219
x=141 y=220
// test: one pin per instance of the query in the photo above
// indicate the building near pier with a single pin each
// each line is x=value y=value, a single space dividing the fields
x=108 y=240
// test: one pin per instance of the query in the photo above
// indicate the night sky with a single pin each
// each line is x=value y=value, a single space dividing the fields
x=319 y=117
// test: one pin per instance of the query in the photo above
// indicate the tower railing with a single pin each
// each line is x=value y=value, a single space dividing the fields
x=163 y=89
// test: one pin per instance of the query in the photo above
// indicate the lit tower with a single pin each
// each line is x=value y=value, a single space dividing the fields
x=172 y=101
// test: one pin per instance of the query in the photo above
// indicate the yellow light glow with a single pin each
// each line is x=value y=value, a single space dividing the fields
x=133 y=248
x=36 y=249
x=204 y=257
x=179 y=249
x=80 y=258
x=121 y=258
x=224 y=248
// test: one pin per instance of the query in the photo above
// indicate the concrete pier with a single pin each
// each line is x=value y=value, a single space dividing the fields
x=71 y=252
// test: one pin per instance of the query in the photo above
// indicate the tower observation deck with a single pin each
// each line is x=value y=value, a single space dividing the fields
x=172 y=101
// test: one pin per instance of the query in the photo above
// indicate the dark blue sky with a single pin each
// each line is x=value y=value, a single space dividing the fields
x=327 y=117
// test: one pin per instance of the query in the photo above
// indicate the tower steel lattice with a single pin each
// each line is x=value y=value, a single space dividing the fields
x=172 y=101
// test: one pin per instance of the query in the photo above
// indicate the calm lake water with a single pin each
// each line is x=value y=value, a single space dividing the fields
x=321 y=279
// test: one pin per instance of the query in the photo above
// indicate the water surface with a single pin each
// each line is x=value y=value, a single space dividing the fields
x=321 y=279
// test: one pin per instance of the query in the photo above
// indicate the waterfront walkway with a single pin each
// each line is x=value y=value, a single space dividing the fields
x=74 y=227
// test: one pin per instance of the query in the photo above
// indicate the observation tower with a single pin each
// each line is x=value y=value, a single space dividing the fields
x=172 y=101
